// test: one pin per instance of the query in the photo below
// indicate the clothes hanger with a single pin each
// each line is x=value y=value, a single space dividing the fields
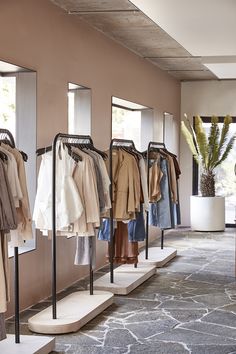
x=42 y=151
x=102 y=153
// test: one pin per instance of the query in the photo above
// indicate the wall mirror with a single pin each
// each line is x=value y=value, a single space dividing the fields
x=79 y=109
x=18 y=114
x=133 y=121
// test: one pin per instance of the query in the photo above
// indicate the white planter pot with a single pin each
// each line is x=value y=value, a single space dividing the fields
x=207 y=213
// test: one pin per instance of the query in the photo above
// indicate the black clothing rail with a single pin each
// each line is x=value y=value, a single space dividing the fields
x=152 y=144
x=114 y=143
x=6 y=136
x=73 y=140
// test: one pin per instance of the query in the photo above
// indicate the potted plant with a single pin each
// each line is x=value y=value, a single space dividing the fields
x=209 y=151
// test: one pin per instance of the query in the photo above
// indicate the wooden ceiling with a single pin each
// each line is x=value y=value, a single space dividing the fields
x=123 y=22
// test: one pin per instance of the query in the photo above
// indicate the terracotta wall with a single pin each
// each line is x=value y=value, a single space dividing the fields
x=40 y=36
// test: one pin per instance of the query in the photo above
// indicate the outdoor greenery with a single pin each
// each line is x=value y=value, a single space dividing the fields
x=209 y=151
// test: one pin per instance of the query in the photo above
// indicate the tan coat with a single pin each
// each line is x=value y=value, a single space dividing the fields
x=126 y=185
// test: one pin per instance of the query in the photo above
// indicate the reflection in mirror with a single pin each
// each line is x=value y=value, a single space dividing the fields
x=18 y=114
x=170 y=133
x=79 y=109
x=132 y=121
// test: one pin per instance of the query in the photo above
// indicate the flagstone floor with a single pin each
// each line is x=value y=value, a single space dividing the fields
x=189 y=306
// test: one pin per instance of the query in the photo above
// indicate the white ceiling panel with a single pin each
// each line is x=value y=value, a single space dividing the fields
x=223 y=70
x=202 y=27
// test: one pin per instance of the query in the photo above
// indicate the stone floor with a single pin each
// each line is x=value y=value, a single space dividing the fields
x=189 y=306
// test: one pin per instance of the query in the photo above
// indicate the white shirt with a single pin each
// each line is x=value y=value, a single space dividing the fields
x=68 y=202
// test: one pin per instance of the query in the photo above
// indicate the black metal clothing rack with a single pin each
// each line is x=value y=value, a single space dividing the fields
x=7 y=135
x=68 y=139
x=114 y=143
x=153 y=144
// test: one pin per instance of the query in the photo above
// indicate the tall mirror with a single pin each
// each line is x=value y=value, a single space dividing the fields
x=132 y=121
x=18 y=115
x=79 y=109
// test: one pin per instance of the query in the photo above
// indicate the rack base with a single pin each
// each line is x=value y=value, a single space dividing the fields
x=73 y=312
x=28 y=345
x=126 y=278
x=157 y=256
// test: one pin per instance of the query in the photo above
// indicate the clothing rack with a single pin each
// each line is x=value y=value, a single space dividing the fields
x=153 y=144
x=68 y=139
x=7 y=135
x=115 y=143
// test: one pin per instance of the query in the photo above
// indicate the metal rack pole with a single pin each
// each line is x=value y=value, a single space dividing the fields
x=16 y=292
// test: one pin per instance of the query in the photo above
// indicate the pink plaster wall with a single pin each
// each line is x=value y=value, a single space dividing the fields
x=61 y=48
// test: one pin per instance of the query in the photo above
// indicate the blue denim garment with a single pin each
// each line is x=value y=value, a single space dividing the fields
x=161 y=213
x=104 y=230
x=136 y=229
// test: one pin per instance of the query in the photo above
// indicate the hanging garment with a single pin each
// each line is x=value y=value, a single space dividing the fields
x=68 y=202
x=24 y=229
x=8 y=216
x=155 y=176
x=136 y=228
x=105 y=178
x=85 y=251
x=161 y=213
x=13 y=179
x=126 y=185
x=143 y=175
x=85 y=179
x=101 y=193
x=125 y=252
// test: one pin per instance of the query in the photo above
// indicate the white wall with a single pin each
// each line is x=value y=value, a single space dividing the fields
x=204 y=98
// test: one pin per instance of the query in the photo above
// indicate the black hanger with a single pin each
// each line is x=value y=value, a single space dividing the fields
x=42 y=151
x=92 y=147
x=72 y=153
x=24 y=155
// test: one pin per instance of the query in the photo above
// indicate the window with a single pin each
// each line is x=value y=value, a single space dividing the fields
x=8 y=103
x=132 y=121
x=170 y=133
x=79 y=109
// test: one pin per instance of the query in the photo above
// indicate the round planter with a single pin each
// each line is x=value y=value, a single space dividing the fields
x=207 y=213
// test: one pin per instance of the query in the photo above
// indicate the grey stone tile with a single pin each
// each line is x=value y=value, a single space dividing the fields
x=146 y=329
x=181 y=304
x=191 y=337
x=211 y=328
x=184 y=267
x=213 y=300
x=184 y=316
x=78 y=339
x=160 y=348
x=230 y=308
x=221 y=317
x=211 y=278
x=212 y=349
x=119 y=338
